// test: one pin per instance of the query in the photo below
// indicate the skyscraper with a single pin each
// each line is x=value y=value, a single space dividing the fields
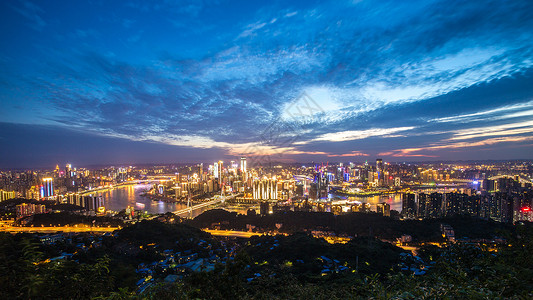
x=200 y=172
x=408 y=205
x=220 y=169
x=68 y=169
x=243 y=164
x=383 y=209
x=47 y=188
x=380 y=171
x=215 y=170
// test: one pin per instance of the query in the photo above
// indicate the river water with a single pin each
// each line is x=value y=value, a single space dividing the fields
x=119 y=198
x=130 y=195
x=394 y=200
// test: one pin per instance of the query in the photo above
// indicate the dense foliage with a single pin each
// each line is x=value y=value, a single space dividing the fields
x=267 y=267
x=354 y=224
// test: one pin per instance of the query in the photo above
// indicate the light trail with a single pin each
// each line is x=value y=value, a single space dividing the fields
x=54 y=229
x=232 y=233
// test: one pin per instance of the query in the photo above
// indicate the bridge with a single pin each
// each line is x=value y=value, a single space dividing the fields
x=520 y=179
x=217 y=200
x=110 y=187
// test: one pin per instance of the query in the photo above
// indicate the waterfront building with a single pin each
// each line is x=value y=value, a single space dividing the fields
x=383 y=209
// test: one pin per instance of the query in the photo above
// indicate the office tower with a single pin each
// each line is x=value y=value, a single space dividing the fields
x=265 y=189
x=220 y=169
x=243 y=164
x=339 y=174
x=215 y=170
x=380 y=171
x=200 y=171
x=68 y=169
x=383 y=209
x=47 y=188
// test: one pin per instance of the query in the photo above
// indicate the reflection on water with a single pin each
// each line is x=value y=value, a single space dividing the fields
x=394 y=200
x=119 y=198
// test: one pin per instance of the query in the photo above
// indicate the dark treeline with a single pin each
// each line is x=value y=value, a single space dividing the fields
x=354 y=224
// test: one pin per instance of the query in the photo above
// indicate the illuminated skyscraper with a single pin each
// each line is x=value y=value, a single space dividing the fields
x=243 y=164
x=383 y=209
x=47 y=188
x=380 y=171
x=409 y=205
x=220 y=169
x=68 y=169
x=265 y=189
x=201 y=172
x=215 y=170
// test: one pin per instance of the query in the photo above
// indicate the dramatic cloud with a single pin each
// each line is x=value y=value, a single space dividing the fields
x=340 y=79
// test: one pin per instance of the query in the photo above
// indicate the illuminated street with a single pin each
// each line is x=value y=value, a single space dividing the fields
x=241 y=234
x=53 y=229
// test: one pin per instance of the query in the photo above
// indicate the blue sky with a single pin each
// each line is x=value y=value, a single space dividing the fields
x=176 y=81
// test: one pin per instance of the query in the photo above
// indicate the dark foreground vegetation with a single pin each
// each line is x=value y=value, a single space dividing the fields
x=353 y=224
x=296 y=266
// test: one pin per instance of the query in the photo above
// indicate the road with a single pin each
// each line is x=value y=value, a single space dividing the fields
x=232 y=233
x=54 y=229
x=89 y=229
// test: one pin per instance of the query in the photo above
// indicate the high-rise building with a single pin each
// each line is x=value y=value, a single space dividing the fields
x=422 y=203
x=383 y=209
x=215 y=170
x=243 y=164
x=408 y=205
x=5 y=195
x=68 y=169
x=265 y=189
x=25 y=209
x=264 y=208
x=380 y=171
x=200 y=171
x=435 y=207
x=47 y=187
x=220 y=170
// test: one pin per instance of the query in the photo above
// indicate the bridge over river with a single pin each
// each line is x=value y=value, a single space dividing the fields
x=217 y=200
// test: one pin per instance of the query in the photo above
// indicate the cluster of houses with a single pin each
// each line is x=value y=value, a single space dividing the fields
x=176 y=265
x=413 y=264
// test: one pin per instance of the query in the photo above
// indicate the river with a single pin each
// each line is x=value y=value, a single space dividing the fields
x=120 y=197
x=130 y=195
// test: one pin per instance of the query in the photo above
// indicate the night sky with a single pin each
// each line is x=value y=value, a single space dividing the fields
x=117 y=82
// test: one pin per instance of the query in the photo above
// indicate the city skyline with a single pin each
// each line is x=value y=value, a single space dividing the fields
x=177 y=81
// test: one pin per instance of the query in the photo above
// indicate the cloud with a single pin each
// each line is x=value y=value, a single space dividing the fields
x=355 y=134
x=498 y=130
x=379 y=73
x=350 y=154
x=489 y=114
x=32 y=12
x=410 y=152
